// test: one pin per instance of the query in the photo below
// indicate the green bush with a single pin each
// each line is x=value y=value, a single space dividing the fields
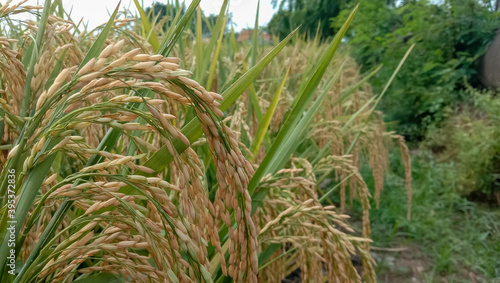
x=450 y=36
x=457 y=237
x=470 y=138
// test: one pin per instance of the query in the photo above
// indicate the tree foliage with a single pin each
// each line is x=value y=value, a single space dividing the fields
x=469 y=139
x=450 y=37
x=313 y=16
x=165 y=13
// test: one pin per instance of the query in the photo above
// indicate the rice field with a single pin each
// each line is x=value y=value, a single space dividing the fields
x=139 y=153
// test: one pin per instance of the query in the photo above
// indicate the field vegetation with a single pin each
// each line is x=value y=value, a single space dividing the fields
x=130 y=165
x=158 y=148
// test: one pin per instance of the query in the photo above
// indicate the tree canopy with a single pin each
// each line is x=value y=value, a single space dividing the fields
x=313 y=16
x=450 y=37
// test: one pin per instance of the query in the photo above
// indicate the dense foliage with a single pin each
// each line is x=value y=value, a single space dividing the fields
x=448 y=239
x=469 y=137
x=313 y=17
x=450 y=37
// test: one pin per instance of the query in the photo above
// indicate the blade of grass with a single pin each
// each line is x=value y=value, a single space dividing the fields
x=209 y=24
x=33 y=58
x=220 y=26
x=147 y=27
x=175 y=32
x=253 y=103
x=152 y=31
x=287 y=150
x=96 y=48
x=255 y=36
x=322 y=153
x=233 y=41
x=199 y=47
x=271 y=251
x=216 y=56
x=181 y=43
x=289 y=145
x=381 y=95
x=353 y=117
x=272 y=160
x=264 y=125
x=345 y=93
x=334 y=188
x=253 y=100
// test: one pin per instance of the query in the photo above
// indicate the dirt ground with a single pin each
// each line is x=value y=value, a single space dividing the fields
x=410 y=265
x=405 y=265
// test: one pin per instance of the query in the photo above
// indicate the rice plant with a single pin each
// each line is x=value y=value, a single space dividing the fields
x=120 y=161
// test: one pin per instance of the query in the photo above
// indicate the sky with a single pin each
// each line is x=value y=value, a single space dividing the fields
x=97 y=12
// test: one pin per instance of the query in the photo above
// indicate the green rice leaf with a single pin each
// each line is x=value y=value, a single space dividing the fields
x=264 y=125
x=253 y=102
x=174 y=33
x=33 y=59
x=147 y=27
x=272 y=160
x=96 y=48
x=217 y=32
x=216 y=56
x=199 y=47
x=378 y=98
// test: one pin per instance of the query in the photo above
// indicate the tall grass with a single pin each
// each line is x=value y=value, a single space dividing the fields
x=130 y=167
x=451 y=238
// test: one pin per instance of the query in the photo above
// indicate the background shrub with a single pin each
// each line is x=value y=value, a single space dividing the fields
x=450 y=36
x=469 y=137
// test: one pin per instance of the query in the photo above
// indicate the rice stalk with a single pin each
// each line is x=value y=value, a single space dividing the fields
x=93 y=200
